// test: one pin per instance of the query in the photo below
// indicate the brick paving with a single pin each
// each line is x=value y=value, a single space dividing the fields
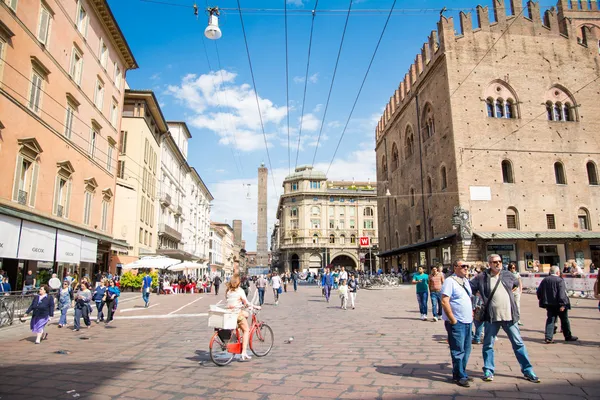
x=378 y=351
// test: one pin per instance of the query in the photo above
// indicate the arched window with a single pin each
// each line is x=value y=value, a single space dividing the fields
x=490 y=107
x=395 y=157
x=443 y=178
x=512 y=218
x=507 y=172
x=584 y=219
x=409 y=143
x=428 y=122
x=592 y=173
x=395 y=206
x=352 y=239
x=412 y=197
x=560 y=105
x=397 y=239
x=509 y=109
x=368 y=212
x=342 y=239
x=293 y=212
x=559 y=173
x=499 y=108
x=332 y=238
x=429 y=186
x=410 y=235
x=501 y=100
x=315 y=239
x=384 y=164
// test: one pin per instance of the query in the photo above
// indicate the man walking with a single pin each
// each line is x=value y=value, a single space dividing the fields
x=458 y=316
x=421 y=280
x=327 y=282
x=552 y=295
x=295 y=280
x=343 y=274
x=500 y=311
x=146 y=288
x=261 y=285
x=436 y=280
x=216 y=284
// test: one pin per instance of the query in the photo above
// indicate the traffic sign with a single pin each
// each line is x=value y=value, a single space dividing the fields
x=364 y=241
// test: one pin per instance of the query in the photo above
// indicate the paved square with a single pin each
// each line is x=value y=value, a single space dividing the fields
x=381 y=350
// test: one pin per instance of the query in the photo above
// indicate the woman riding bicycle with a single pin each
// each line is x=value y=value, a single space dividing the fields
x=236 y=301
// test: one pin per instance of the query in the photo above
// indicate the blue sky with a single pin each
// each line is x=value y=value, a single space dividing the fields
x=220 y=108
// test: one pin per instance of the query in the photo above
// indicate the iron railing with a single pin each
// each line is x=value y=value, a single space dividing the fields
x=22 y=199
x=13 y=305
x=59 y=211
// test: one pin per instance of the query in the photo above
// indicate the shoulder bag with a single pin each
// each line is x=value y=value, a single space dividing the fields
x=479 y=312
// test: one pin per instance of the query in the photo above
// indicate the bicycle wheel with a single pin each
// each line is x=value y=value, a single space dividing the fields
x=261 y=340
x=218 y=351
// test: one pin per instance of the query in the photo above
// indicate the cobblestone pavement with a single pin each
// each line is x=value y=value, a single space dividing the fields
x=380 y=350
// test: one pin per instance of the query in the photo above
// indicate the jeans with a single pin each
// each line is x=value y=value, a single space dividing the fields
x=552 y=313
x=276 y=294
x=81 y=312
x=145 y=296
x=261 y=296
x=422 y=299
x=27 y=288
x=63 y=315
x=110 y=304
x=514 y=335
x=295 y=285
x=216 y=290
x=99 y=307
x=459 y=339
x=327 y=289
x=478 y=330
x=436 y=304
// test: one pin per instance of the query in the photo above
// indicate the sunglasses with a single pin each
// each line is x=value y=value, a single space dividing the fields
x=463 y=266
x=496 y=262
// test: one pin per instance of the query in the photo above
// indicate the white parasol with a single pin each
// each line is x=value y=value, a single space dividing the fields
x=158 y=262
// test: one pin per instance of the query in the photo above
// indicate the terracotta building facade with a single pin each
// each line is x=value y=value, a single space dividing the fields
x=62 y=78
x=487 y=145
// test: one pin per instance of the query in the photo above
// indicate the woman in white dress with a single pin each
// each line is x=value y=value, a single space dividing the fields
x=236 y=301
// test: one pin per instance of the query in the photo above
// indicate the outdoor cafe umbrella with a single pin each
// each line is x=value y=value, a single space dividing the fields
x=156 y=262
x=185 y=266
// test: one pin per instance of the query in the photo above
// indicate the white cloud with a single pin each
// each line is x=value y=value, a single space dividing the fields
x=227 y=109
x=310 y=123
x=334 y=124
x=317 y=108
x=298 y=79
x=297 y=3
x=314 y=78
x=155 y=77
x=220 y=171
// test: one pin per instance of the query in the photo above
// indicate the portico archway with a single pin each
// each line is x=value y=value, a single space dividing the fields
x=344 y=261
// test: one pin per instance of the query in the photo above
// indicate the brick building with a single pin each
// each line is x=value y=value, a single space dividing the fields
x=487 y=145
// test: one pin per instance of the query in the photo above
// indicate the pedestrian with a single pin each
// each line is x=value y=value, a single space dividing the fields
x=458 y=317
x=552 y=295
x=500 y=311
x=285 y=282
x=593 y=268
x=343 y=292
x=436 y=281
x=216 y=284
x=98 y=296
x=111 y=300
x=421 y=280
x=596 y=289
x=28 y=282
x=276 y=284
x=512 y=268
x=5 y=286
x=82 y=307
x=295 y=279
x=42 y=309
x=327 y=283
x=146 y=289
x=352 y=289
x=65 y=301
x=54 y=283
x=344 y=274
x=261 y=285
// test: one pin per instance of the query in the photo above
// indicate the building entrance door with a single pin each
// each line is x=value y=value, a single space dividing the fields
x=549 y=254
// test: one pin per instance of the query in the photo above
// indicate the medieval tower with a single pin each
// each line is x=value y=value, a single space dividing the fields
x=262 y=255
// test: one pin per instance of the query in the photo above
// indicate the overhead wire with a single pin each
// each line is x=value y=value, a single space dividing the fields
x=287 y=89
x=312 y=25
x=332 y=82
x=361 y=86
x=262 y=125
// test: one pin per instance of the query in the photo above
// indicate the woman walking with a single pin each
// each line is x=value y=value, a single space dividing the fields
x=82 y=307
x=276 y=283
x=352 y=288
x=98 y=298
x=112 y=299
x=42 y=307
x=65 y=301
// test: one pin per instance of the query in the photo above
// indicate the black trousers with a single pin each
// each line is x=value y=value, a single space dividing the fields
x=552 y=313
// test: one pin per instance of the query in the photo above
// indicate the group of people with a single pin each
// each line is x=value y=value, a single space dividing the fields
x=345 y=283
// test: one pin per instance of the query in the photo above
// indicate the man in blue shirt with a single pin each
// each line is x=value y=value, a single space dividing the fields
x=327 y=282
x=422 y=281
x=146 y=288
x=457 y=314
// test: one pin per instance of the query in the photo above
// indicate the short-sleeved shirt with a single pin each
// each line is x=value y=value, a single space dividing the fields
x=435 y=281
x=422 y=282
x=500 y=303
x=234 y=298
x=459 y=292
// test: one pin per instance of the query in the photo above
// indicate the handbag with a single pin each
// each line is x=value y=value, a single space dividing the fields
x=279 y=290
x=479 y=312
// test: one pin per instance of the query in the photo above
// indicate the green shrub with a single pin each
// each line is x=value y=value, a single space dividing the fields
x=129 y=280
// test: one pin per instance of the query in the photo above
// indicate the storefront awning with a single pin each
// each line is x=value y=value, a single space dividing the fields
x=68 y=247
x=417 y=246
x=10 y=229
x=37 y=242
x=519 y=235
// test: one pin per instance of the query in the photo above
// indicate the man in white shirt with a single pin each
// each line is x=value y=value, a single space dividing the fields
x=344 y=275
x=276 y=283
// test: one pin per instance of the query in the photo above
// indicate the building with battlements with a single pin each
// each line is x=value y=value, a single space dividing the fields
x=487 y=144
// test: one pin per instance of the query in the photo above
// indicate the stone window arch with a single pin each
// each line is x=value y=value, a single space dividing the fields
x=368 y=212
x=395 y=206
x=560 y=105
x=409 y=143
x=384 y=164
x=315 y=238
x=559 y=173
x=512 y=218
x=410 y=235
x=443 y=178
x=507 y=172
x=429 y=186
x=501 y=100
x=583 y=217
x=332 y=239
x=352 y=239
x=592 y=173
x=428 y=122
x=395 y=157
x=412 y=197
x=342 y=239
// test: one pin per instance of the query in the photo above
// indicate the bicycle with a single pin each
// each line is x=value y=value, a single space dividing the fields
x=226 y=343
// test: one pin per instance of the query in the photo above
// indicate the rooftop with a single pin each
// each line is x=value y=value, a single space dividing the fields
x=305 y=172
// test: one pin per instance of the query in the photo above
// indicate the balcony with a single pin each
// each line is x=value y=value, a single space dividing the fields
x=164 y=229
x=22 y=198
x=178 y=210
x=165 y=199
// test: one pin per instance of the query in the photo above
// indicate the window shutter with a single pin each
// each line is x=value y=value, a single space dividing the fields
x=56 y=194
x=18 y=172
x=34 y=179
x=68 y=200
x=44 y=25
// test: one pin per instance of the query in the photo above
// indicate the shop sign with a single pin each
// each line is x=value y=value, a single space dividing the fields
x=10 y=228
x=501 y=247
x=37 y=242
x=68 y=247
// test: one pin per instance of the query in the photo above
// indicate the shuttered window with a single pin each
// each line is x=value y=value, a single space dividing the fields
x=87 y=208
x=44 y=25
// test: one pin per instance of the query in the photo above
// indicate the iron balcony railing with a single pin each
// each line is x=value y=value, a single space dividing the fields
x=164 y=229
x=165 y=198
x=59 y=211
x=22 y=199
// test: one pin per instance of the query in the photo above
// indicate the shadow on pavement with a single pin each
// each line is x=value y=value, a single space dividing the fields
x=61 y=380
x=559 y=340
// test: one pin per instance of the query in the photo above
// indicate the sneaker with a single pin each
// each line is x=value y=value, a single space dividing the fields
x=549 y=341
x=520 y=323
x=423 y=317
x=75 y=330
x=463 y=382
x=488 y=376
x=475 y=341
x=532 y=378
x=435 y=319
x=571 y=339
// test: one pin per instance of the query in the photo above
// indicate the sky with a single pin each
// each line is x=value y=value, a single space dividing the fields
x=208 y=84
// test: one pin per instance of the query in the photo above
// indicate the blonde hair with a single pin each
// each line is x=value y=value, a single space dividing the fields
x=233 y=283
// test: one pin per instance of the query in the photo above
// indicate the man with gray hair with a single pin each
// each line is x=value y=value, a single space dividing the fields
x=500 y=311
x=552 y=295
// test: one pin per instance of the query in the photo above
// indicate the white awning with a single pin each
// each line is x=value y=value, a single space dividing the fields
x=37 y=242
x=68 y=247
x=89 y=249
x=186 y=265
x=152 y=262
x=10 y=228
